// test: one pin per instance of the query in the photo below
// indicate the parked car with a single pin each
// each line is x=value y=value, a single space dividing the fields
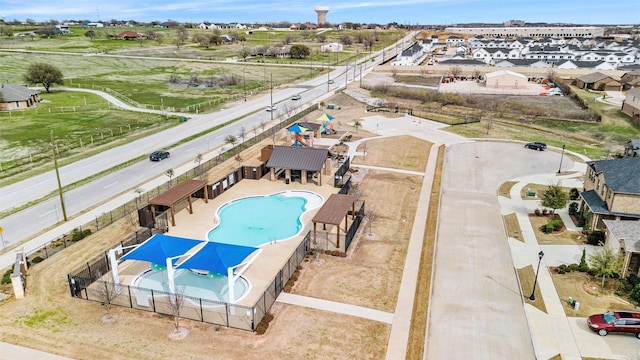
x=615 y=321
x=296 y=97
x=272 y=108
x=536 y=146
x=330 y=81
x=159 y=155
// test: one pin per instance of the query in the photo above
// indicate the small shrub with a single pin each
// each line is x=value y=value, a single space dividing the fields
x=596 y=238
x=261 y=328
x=268 y=317
x=574 y=267
x=545 y=212
x=537 y=212
x=583 y=266
x=564 y=268
x=573 y=208
x=6 y=277
x=557 y=224
x=78 y=235
x=287 y=288
x=36 y=260
x=574 y=194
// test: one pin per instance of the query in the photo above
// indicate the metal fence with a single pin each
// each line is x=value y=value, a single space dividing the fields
x=338 y=177
x=85 y=283
x=432 y=114
x=351 y=233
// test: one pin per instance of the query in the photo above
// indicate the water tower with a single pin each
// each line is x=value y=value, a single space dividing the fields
x=322 y=14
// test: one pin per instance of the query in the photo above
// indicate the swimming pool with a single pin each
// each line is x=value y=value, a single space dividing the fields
x=257 y=220
x=195 y=284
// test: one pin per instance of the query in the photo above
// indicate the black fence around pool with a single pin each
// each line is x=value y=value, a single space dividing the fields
x=85 y=283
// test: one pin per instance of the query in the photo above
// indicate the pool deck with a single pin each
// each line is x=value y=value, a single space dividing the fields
x=274 y=255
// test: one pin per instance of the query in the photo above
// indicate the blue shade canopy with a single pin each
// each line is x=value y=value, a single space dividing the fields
x=160 y=247
x=217 y=257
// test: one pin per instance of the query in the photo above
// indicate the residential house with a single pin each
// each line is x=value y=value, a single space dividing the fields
x=632 y=148
x=130 y=35
x=413 y=55
x=611 y=191
x=623 y=237
x=14 y=97
x=630 y=79
x=575 y=64
x=454 y=41
x=534 y=63
x=631 y=105
x=598 y=81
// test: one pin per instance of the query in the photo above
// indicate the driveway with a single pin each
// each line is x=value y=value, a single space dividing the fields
x=476 y=309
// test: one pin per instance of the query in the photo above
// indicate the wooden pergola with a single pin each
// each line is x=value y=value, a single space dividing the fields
x=176 y=194
x=334 y=211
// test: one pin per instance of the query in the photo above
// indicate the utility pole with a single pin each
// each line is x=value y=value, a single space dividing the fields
x=55 y=165
x=244 y=84
x=271 y=96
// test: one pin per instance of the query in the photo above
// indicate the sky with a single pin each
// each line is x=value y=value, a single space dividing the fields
x=407 y=12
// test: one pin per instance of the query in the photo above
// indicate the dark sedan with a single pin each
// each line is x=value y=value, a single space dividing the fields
x=536 y=146
x=615 y=321
x=159 y=155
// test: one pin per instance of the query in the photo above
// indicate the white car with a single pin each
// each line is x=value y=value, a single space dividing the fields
x=296 y=97
x=272 y=108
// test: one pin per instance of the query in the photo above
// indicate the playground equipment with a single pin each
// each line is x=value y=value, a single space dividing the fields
x=299 y=138
x=327 y=124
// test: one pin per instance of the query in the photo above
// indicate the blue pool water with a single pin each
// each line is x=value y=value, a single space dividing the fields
x=210 y=287
x=258 y=220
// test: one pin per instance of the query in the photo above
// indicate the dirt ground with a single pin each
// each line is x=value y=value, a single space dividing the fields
x=48 y=319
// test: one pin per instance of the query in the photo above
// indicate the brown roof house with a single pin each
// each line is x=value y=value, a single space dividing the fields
x=16 y=97
x=630 y=80
x=611 y=191
x=631 y=105
x=598 y=81
x=130 y=35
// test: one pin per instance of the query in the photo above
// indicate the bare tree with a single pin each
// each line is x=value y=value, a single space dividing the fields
x=255 y=132
x=176 y=301
x=198 y=160
x=138 y=192
x=243 y=133
x=239 y=159
x=170 y=174
x=357 y=124
x=231 y=140
x=455 y=71
x=372 y=214
x=106 y=292
x=394 y=72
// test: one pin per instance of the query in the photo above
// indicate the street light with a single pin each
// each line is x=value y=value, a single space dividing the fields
x=535 y=281
x=561 y=156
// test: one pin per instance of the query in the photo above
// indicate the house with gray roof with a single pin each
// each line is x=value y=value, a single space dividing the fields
x=17 y=97
x=611 y=191
x=623 y=236
x=632 y=148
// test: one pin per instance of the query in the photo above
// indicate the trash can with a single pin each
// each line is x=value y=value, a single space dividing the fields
x=286 y=181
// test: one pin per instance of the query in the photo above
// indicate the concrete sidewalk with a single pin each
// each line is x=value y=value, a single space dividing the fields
x=12 y=352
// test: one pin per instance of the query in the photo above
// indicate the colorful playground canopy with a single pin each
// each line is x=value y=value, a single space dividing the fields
x=325 y=117
x=296 y=128
x=217 y=257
